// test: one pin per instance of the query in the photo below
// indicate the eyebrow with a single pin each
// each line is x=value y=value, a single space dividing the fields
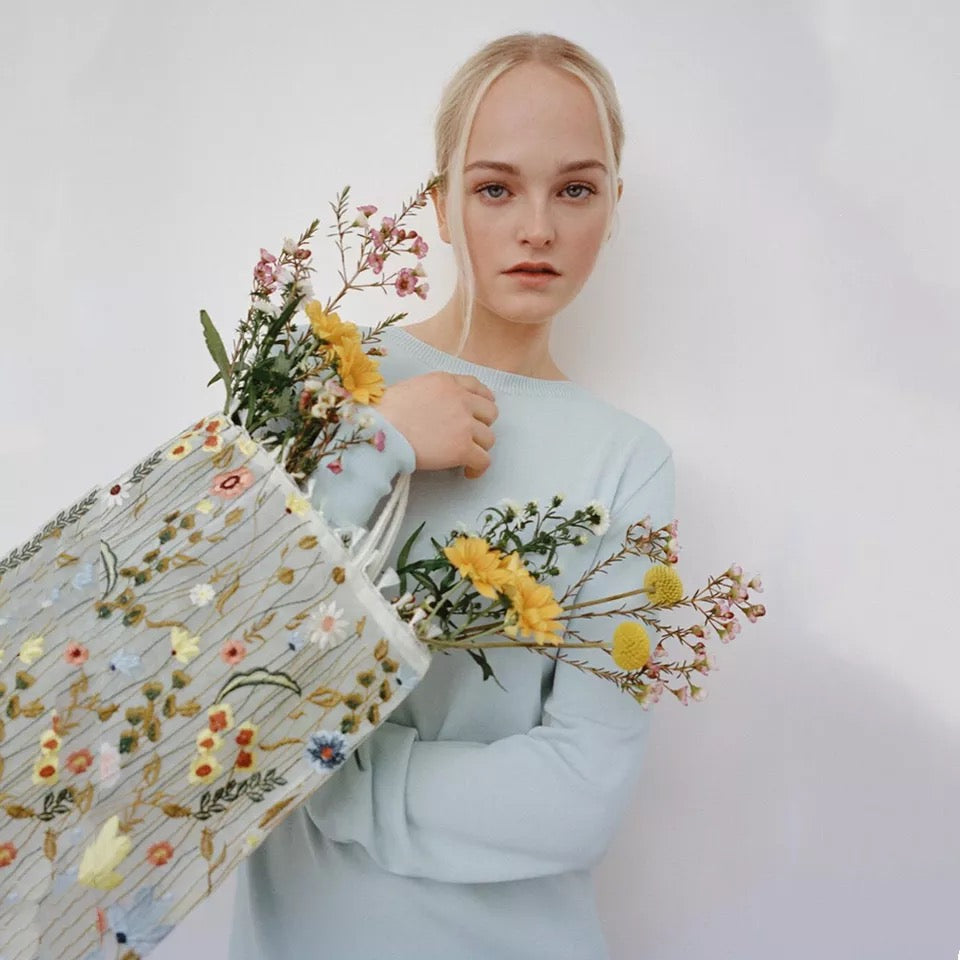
x=510 y=168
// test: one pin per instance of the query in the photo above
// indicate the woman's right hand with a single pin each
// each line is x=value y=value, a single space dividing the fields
x=446 y=418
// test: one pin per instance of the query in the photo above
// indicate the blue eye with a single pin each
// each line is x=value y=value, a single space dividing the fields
x=577 y=186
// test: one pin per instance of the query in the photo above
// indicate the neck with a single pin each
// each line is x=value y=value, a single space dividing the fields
x=514 y=347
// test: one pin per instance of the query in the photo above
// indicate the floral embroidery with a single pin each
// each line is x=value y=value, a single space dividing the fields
x=231 y=484
x=325 y=750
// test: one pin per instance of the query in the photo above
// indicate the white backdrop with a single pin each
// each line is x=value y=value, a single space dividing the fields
x=780 y=300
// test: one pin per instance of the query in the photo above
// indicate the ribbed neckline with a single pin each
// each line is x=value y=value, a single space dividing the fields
x=494 y=378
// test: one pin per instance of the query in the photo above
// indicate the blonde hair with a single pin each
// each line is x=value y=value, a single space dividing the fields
x=458 y=107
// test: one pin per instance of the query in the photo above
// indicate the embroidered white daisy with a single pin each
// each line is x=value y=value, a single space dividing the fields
x=201 y=594
x=116 y=494
x=328 y=625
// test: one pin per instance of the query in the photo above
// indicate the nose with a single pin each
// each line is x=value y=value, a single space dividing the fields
x=536 y=225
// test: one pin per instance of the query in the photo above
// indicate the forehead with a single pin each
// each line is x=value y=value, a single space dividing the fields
x=535 y=116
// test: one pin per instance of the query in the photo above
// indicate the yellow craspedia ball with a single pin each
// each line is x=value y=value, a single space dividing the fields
x=663 y=585
x=631 y=645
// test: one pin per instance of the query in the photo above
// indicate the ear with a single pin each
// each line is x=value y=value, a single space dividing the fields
x=439 y=202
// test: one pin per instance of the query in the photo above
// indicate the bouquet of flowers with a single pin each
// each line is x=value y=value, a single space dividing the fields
x=189 y=651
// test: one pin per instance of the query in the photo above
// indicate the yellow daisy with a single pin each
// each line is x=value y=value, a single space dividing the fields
x=533 y=609
x=360 y=373
x=329 y=326
x=477 y=561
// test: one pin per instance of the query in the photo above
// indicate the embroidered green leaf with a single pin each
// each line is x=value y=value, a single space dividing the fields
x=255 y=678
x=109 y=559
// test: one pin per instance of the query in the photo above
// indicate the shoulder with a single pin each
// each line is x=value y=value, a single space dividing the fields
x=645 y=448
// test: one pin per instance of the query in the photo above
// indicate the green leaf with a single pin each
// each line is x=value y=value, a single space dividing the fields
x=217 y=351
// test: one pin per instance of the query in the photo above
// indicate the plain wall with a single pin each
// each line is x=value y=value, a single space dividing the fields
x=780 y=299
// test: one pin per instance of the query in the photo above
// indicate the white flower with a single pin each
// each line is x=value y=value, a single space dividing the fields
x=267 y=307
x=284 y=275
x=109 y=764
x=115 y=494
x=328 y=630
x=305 y=287
x=289 y=245
x=202 y=594
x=510 y=505
x=603 y=524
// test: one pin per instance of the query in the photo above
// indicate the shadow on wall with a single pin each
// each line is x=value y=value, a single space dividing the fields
x=805 y=809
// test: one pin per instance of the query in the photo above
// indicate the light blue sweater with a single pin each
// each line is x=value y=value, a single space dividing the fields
x=471 y=830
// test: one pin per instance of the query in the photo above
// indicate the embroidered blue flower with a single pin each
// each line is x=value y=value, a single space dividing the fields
x=137 y=925
x=326 y=750
x=125 y=662
x=83 y=577
x=407 y=677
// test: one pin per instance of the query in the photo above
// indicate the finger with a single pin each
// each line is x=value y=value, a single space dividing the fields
x=483 y=409
x=474 y=385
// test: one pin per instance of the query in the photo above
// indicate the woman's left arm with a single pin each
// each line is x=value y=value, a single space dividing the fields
x=531 y=804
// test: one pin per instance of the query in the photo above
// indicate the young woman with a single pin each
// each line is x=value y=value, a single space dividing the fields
x=470 y=831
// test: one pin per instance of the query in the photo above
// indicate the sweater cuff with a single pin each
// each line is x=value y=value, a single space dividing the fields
x=366 y=474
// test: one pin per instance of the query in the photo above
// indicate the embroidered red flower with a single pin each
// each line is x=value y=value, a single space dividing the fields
x=76 y=653
x=233 y=652
x=8 y=853
x=231 y=483
x=160 y=853
x=80 y=761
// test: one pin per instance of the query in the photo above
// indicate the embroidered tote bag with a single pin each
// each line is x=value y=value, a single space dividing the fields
x=186 y=655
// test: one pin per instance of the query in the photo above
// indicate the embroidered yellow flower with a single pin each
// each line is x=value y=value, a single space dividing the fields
x=179 y=450
x=31 y=650
x=631 y=645
x=360 y=373
x=103 y=856
x=477 y=561
x=663 y=585
x=45 y=769
x=297 y=505
x=532 y=612
x=208 y=741
x=246 y=446
x=204 y=768
x=220 y=717
x=205 y=506
x=50 y=741
x=185 y=647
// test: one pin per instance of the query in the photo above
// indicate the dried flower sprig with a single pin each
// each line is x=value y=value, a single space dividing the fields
x=469 y=567
x=291 y=391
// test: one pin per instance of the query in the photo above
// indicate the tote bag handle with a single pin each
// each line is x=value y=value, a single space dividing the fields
x=374 y=546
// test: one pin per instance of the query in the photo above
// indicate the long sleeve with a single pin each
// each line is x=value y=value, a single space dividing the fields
x=533 y=804
x=350 y=496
